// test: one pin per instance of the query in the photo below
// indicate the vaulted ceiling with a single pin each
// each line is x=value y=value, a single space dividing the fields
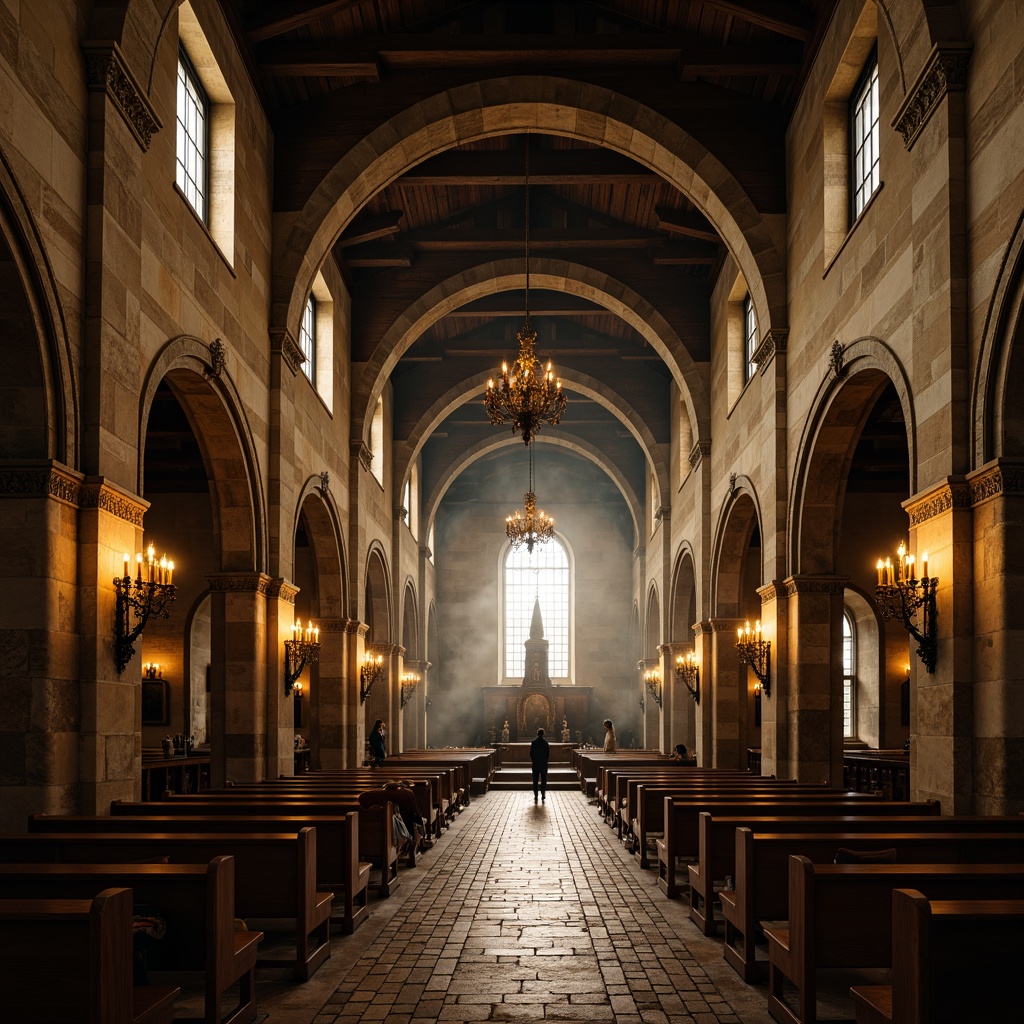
x=727 y=71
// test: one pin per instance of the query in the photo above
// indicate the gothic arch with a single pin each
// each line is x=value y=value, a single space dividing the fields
x=521 y=104
x=378 y=611
x=326 y=538
x=825 y=452
x=652 y=633
x=740 y=517
x=477 y=451
x=502 y=275
x=684 y=592
x=998 y=366
x=410 y=622
x=39 y=374
x=214 y=410
x=466 y=391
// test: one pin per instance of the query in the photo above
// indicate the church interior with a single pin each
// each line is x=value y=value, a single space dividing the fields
x=475 y=367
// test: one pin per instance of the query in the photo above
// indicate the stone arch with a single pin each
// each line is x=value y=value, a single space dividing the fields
x=482 y=448
x=633 y=640
x=994 y=399
x=915 y=28
x=323 y=529
x=214 y=410
x=473 y=387
x=652 y=632
x=825 y=452
x=39 y=379
x=502 y=275
x=378 y=604
x=520 y=104
x=740 y=519
x=410 y=622
x=682 y=610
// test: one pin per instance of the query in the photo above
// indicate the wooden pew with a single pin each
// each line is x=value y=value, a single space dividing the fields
x=840 y=915
x=338 y=868
x=376 y=830
x=683 y=815
x=275 y=874
x=71 y=961
x=196 y=900
x=952 y=961
x=716 y=844
x=762 y=874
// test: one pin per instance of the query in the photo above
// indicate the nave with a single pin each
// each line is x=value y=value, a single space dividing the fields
x=523 y=912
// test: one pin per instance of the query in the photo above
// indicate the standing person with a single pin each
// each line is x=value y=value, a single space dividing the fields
x=539 y=752
x=378 y=748
x=609 y=737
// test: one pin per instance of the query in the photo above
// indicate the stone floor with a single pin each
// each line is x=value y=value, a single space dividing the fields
x=522 y=912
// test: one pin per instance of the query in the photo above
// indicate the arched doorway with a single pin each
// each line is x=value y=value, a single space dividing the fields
x=681 y=710
x=377 y=604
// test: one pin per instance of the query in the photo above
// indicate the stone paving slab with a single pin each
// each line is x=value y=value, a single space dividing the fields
x=524 y=912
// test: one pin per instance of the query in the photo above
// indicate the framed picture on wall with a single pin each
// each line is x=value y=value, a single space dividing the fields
x=154 y=702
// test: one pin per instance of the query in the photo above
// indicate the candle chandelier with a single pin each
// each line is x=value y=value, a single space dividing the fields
x=302 y=649
x=688 y=672
x=755 y=651
x=528 y=394
x=529 y=525
x=137 y=600
x=900 y=593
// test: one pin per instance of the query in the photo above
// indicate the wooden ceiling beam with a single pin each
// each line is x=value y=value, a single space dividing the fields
x=284 y=17
x=486 y=240
x=370 y=227
x=741 y=62
x=378 y=254
x=776 y=17
x=682 y=222
x=561 y=167
x=512 y=304
x=296 y=65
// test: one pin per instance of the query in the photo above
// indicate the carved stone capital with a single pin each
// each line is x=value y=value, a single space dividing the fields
x=952 y=493
x=944 y=72
x=724 y=625
x=40 y=480
x=1002 y=477
x=663 y=513
x=283 y=344
x=815 y=585
x=335 y=625
x=357 y=628
x=770 y=591
x=772 y=343
x=703 y=627
x=104 y=496
x=238 y=582
x=700 y=451
x=282 y=590
x=400 y=512
x=106 y=71
x=362 y=453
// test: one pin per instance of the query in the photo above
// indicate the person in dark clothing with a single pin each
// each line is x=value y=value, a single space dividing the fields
x=539 y=752
x=378 y=749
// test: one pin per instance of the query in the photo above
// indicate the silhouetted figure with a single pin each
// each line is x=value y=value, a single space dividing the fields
x=378 y=748
x=539 y=753
x=610 y=745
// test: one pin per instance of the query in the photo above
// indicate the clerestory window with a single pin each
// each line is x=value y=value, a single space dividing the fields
x=864 y=173
x=307 y=340
x=749 y=339
x=543 y=576
x=193 y=141
x=849 y=677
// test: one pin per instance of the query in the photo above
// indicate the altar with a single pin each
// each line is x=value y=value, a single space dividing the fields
x=536 y=703
x=519 y=753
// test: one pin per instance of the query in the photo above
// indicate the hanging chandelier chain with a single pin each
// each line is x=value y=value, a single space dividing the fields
x=527 y=231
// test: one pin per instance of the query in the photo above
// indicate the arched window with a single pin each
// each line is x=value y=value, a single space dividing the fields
x=377 y=441
x=543 y=575
x=849 y=678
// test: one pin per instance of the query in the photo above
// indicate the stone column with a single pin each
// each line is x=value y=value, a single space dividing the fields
x=238 y=676
x=704 y=648
x=354 y=722
x=720 y=700
x=650 y=718
x=775 y=723
x=393 y=711
x=331 y=696
x=942 y=703
x=997 y=493
x=414 y=712
x=815 y=698
x=678 y=718
x=280 y=706
x=109 y=524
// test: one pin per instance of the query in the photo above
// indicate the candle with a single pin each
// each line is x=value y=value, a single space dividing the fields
x=126 y=559
x=910 y=568
x=138 y=564
x=316 y=634
x=170 y=573
x=924 y=564
x=880 y=566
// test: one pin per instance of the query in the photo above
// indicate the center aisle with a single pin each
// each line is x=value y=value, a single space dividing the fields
x=529 y=912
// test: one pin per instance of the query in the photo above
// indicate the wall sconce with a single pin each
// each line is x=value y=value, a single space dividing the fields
x=757 y=653
x=409 y=683
x=302 y=649
x=370 y=671
x=151 y=670
x=652 y=680
x=757 y=704
x=138 y=599
x=900 y=593
x=297 y=689
x=688 y=672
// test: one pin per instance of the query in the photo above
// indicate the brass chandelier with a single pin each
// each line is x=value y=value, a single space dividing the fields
x=528 y=394
x=529 y=525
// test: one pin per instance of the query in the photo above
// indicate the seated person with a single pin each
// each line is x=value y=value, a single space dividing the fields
x=680 y=753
